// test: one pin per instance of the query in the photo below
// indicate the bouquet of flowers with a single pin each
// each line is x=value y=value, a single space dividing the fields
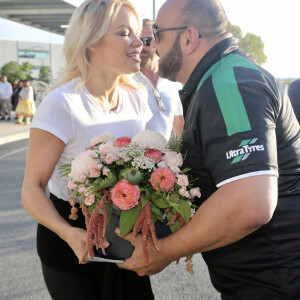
x=139 y=179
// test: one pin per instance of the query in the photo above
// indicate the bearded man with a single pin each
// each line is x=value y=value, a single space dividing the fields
x=242 y=142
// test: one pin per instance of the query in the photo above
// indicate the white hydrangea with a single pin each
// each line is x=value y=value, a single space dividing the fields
x=150 y=139
x=143 y=162
x=130 y=152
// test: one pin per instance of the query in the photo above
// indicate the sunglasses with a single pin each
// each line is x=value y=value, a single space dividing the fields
x=157 y=30
x=146 y=41
x=159 y=100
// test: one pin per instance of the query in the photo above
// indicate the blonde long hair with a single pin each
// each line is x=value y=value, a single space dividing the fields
x=87 y=26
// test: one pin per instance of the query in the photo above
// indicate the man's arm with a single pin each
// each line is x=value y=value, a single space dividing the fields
x=178 y=126
x=235 y=210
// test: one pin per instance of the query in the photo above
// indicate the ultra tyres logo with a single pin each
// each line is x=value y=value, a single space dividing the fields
x=244 y=150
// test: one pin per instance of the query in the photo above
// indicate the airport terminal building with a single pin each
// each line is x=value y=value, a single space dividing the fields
x=37 y=54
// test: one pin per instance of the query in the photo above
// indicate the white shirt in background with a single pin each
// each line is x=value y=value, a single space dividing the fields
x=162 y=121
x=5 y=90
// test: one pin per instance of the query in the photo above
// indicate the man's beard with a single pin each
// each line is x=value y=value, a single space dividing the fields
x=171 y=64
x=146 y=61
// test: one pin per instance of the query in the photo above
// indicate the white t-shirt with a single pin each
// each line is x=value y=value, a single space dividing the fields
x=5 y=90
x=74 y=116
x=162 y=121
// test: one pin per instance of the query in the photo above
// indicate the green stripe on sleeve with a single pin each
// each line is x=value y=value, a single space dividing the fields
x=227 y=92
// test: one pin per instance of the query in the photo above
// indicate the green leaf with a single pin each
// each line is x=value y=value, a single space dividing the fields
x=160 y=201
x=185 y=210
x=108 y=210
x=92 y=207
x=144 y=200
x=174 y=227
x=103 y=183
x=124 y=174
x=128 y=219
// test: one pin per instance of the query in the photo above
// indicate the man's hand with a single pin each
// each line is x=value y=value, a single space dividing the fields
x=136 y=263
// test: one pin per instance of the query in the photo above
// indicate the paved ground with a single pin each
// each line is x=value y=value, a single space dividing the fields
x=21 y=277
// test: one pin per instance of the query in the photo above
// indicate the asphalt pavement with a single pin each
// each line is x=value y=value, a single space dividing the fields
x=21 y=276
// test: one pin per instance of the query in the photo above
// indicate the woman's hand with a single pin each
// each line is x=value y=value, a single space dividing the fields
x=76 y=239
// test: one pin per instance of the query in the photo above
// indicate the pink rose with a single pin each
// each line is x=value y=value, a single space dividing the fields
x=195 y=192
x=172 y=158
x=122 y=141
x=183 y=192
x=94 y=173
x=105 y=171
x=154 y=154
x=71 y=185
x=109 y=158
x=89 y=199
x=103 y=138
x=162 y=179
x=182 y=180
x=81 y=190
x=125 y=195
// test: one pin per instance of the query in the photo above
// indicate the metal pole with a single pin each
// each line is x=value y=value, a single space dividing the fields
x=153 y=10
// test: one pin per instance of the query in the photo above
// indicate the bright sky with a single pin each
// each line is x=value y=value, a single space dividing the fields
x=276 y=22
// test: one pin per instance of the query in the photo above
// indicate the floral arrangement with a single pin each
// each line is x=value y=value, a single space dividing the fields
x=139 y=179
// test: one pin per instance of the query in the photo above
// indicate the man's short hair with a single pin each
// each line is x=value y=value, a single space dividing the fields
x=147 y=22
x=207 y=16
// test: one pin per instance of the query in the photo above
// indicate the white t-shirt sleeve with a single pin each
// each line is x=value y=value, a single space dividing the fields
x=53 y=115
x=179 y=110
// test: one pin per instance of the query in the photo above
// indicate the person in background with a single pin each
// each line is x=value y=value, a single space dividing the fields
x=294 y=95
x=26 y=106
x=5 y=98
x=242 y=143
x=15 y=94
x=94 y=96
x=163 y=97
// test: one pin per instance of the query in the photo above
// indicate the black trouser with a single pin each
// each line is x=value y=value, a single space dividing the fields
x=67 y=279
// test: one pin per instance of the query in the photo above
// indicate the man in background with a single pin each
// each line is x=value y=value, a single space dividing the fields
x=294 y=95
x=5 y=98
x=163 y=98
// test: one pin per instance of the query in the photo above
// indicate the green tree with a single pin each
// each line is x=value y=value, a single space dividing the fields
x=250 y=44
x=45 y=74
x=12 y=71
x=27 y=68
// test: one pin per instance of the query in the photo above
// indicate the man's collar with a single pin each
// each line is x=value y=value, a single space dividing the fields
x=213 y=55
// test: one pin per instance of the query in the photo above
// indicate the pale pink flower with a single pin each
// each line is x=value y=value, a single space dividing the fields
x=182 y=180
x=173 y=159
x=122 y=141
x=161 y=164
x=183 y=192
x=154 y=154
x=103 y=138
x=109 y=158
x=105 y=171
x=162 y=179
x=195 y=192
x=80 y=166
x=125 y=195
x=71 y=185
x=94 y=173
x=81 y=190
x=89 y=199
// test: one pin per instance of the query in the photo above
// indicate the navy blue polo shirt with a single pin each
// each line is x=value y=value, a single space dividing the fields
x=238 y=124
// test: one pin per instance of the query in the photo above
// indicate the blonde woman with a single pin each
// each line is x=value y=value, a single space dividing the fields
x=94 y=96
